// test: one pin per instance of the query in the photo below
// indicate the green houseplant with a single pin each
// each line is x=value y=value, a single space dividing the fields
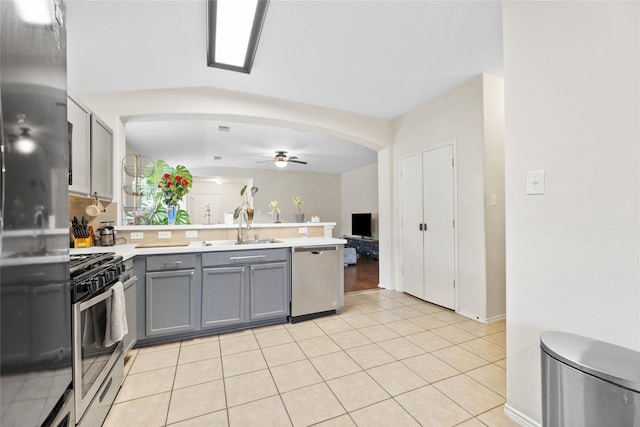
x=298 y=202
x=153 y=206
x=275 y=211
x=247 y=205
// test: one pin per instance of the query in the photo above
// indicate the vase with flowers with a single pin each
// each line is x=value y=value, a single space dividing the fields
x=275 y=211
x=298 y=202
x=173 y=186
x=247 y=205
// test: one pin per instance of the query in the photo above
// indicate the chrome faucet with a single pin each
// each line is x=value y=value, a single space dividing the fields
x=242 y=216
x=39 y=221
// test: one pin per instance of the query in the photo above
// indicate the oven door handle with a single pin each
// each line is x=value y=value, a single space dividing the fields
x=95 y=300
x=130 y=282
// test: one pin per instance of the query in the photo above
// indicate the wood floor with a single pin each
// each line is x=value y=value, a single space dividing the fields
x=361 y=276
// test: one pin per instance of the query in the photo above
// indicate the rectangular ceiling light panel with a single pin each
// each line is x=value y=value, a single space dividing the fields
x=234 y=28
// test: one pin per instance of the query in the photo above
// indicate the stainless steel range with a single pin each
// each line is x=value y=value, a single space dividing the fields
x=98 y=360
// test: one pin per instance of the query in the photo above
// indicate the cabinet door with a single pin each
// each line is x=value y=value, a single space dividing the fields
x=130 y=303
x=269 y=290
x=223 y=296
x=170 y=302
x=101 y=159
x=79 y=152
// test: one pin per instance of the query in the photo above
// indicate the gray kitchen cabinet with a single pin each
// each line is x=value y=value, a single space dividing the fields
x=101 y=159
x=246 y=286
x=79 y=118
x=130 y=299
x=223 y=296
x=170 y=302
x=269 y=290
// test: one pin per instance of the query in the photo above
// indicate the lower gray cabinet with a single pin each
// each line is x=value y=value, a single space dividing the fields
x=269 y=289
x=170 y=302
x=223 y=296
x=245 y=287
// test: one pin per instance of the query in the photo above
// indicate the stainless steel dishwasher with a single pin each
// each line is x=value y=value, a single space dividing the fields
x=317 y=281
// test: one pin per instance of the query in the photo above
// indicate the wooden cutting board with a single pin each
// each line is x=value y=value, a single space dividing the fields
x=161 y=245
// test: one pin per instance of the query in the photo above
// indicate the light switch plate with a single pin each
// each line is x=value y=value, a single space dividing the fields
x=164 y=234
x=191 y=234
x=535 y=182
x=137 y=235
x=494 y=199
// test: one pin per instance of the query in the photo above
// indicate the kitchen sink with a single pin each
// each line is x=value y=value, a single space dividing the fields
x=218 y=243
x=258 y=242
x=233 y=242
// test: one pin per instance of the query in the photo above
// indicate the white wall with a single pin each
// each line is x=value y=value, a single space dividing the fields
x=320 y=192
x=385 y=218
x=359 y=189
x=572 y=96
x=455 y=115
x=493 y=107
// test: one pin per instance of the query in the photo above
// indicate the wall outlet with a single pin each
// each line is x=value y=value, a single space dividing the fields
x=164 y=234
x=303 y=230
x=191 y=234
x=137 y=236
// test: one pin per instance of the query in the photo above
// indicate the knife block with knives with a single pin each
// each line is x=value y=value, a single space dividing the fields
x=82 y=233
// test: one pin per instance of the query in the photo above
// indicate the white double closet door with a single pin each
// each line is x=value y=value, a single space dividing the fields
x=428 y=226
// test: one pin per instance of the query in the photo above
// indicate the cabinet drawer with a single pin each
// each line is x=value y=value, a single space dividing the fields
x=244 y=257
x=170 y=262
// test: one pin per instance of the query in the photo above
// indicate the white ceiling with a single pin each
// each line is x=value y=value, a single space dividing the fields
x=374 y=57
x=196 y=143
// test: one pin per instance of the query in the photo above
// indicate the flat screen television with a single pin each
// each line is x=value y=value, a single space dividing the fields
x=361 y=224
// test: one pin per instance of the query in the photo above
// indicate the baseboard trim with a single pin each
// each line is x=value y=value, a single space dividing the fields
x=519 y=417
x=496 y=318
x=472 y=316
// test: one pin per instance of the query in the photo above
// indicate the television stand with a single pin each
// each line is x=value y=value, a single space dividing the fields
x=366 y=247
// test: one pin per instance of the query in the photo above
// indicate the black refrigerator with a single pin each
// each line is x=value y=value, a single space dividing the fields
x=35 y=323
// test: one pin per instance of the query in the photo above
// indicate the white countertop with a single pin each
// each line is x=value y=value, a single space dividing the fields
x=129 y=250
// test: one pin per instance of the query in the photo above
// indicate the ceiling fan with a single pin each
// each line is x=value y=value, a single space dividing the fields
x=281 y=159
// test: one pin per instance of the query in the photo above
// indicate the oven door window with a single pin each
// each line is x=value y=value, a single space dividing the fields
x=94 y=355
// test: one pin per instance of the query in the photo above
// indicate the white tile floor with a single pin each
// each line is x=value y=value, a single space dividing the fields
x=387 y=360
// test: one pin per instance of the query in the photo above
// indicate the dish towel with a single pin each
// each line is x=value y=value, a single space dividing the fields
x=116 y=316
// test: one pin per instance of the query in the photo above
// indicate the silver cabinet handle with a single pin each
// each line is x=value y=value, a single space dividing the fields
x=172 y=262
x=233 y=258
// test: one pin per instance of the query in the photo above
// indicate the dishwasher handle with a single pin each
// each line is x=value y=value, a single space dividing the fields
x=315 y=250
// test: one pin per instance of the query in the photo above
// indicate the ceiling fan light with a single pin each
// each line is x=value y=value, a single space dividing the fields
x=280 y=163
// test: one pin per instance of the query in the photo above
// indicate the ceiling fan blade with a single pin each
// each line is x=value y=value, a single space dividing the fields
x=297 y=161
x=265 y=161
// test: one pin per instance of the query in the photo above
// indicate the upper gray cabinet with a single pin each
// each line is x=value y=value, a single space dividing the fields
x=79 y=118
x=101 y=159
x=90 y=153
